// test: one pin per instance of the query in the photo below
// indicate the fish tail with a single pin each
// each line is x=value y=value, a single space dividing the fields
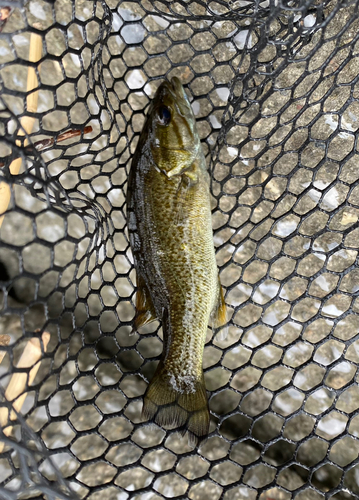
x=169 y=405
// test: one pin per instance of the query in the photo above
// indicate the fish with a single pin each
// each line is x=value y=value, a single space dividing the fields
x=170 y=232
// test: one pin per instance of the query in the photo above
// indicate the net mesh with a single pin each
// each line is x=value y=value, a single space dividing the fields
x=274 y=89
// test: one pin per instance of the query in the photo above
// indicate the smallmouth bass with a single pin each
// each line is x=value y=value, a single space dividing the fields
x=170 y=230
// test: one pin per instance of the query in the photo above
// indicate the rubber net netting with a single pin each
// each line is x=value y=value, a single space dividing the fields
x=274 y=90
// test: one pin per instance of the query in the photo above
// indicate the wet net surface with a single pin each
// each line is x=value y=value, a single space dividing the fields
x=275 y=93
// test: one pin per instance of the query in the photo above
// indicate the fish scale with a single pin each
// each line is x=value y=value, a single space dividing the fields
x=170 y=231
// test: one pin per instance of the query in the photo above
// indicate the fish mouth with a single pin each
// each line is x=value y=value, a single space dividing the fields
x=177 y=87
x=172 y=94
x=174 y=88
x=179 y=90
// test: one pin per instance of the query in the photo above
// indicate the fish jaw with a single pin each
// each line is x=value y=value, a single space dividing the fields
x=176 y=141
x=176 y=90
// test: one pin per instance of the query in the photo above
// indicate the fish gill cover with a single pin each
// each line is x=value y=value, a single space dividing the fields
x=274 y=88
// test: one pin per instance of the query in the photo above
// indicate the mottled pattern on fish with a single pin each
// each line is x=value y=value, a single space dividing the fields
x=169 y=221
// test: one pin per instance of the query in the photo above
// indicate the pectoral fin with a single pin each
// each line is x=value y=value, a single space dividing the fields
x=145 y=311
x=189 y=178
x=188 y=173
x=219 y=313
x=178 y=170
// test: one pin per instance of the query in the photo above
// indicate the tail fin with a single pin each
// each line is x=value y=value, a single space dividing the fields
x=168 y=404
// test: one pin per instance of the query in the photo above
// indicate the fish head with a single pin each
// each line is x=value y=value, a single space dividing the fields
x=174 y=140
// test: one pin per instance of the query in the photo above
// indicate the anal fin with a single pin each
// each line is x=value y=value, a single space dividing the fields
x=145 y=311
x=219 y=313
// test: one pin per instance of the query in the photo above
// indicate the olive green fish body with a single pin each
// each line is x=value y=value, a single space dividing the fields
x=169 y=221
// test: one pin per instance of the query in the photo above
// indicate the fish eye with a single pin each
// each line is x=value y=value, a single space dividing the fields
x=164 y=115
